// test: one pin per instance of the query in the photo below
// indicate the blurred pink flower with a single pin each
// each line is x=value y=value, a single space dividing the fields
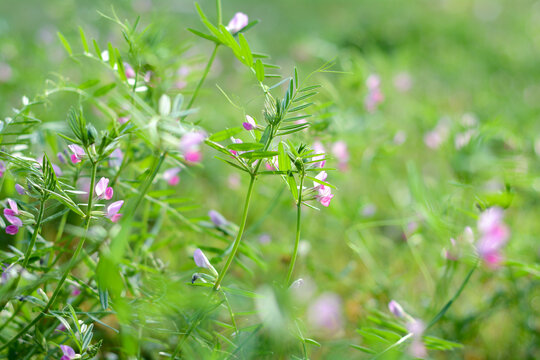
x=434 y=138
x=130 y=73
x=417 y=348
x=171 y=176
x=374 y=96
x=78 y=153
x=396 y=309
x=493 y=236
x=190 y=146
x=103 y=190
x=2 y=168
x=234 y=181
x=403 y=81
x=237 y=23
x=122 y=120
x=341 y=153
x=116 y=158
x=319 y=150
x=113 y=209
x=325 y=313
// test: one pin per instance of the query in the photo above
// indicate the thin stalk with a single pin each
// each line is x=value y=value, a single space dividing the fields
x=205 y=74
x=218 y=10
x=238 y=235
x=445 y=308
x=298 y=226
x=35 y=234
x=72 y=263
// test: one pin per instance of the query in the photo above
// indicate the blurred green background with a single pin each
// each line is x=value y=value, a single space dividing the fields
x=465 y=60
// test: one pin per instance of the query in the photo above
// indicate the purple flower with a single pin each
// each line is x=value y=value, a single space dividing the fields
x=2 y=168
x=249 y=124
x=61 y=158
x=237 y=23
x=493 y=236
x=11 y=216
x=78 y=153
x=12 y=229
x=103 y=190
x=396 y=309
x=325 y=313
x=217 y=218
x=116 y=158
x=171 y=176
x=68 y=352
x=19 y=189
x=416 y=328
x=57 y=170
x=113 y=209
x=201 y=261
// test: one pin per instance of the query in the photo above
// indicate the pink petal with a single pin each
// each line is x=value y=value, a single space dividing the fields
x=12 y=229
x=109 y=193
x=13 y=206
x=101 y=187
x=114 y=208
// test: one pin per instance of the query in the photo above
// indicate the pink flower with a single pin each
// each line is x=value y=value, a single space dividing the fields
x=78 y=153
x=122 y=120
x=249 y=124
x=236 y=141
x=2 y=168
x=434 y=138
x=193 y=156
x=237 y=23
x=341 y=153
x=403 y=81
x=102 y=189
x=417 y=348
x=374 y=96
x=189 y=145
x=12 y=229
x=234 y=181
x=493 y=236
x=319 y=150
x=57 y=170
x=325 y=313
x=130 y=73
x=171 y=176
x=19 y=189
x=113 y=209
x=324 y=195
x=116 y=158
x=69 y=353
x=396 y=309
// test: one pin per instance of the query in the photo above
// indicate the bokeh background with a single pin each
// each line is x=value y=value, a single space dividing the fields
x=464 y=73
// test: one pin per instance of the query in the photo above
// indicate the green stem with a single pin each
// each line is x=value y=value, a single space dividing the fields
x=72 y=263
x=298 y=226
x=205 y=74
x=35 y=234
x=445 y=308
x=238 y=236
x=218 y=10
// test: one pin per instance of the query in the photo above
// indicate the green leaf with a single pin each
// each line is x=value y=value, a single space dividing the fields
x=83 y=40
x=205 y=36
x=225 y=134
x=258 y=154
x=65 y=43
x=103 y=297
x=284 y=162
x=245 y=49
x=312 y=342
x=97 y=49
x=363 y=349
x=245 y=146
x=120 y=64
x=88 y=84
x=301 y=107
x=104 y=90
x=259 y=70
x=112 y=58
